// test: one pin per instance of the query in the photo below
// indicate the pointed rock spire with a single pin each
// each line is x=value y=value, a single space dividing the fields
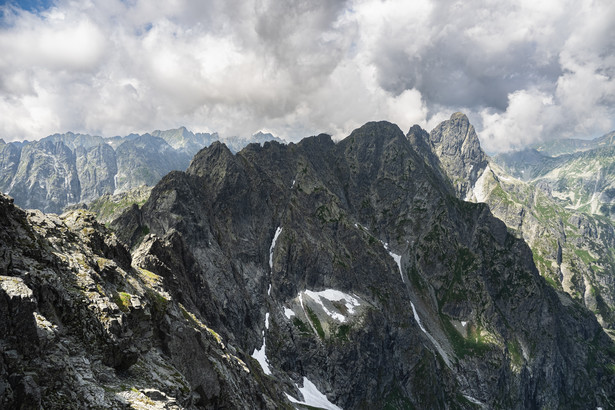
x=456 y=144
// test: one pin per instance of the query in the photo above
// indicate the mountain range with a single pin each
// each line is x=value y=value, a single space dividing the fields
x=368 y=273
x=64 y=169
x=581 y=176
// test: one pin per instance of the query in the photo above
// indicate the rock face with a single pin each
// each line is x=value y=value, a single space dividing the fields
x=108 y=207
x=144 y=160
x=97 y=168
x=9 y=162
x=46 y=176
x=82 y=328
x=462 y=157
x=65 y=169
x=571 y=249
x=352 y=269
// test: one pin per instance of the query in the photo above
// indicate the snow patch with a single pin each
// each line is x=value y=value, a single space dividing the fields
x=261 y=357
x=479 y=186
x=507 y=178
x=293 y=183
x=288 y=313
x=333 y=295
x=275 y=238
x=397 y=259
x=269 y=290
x=312 y=396
x=464 y=323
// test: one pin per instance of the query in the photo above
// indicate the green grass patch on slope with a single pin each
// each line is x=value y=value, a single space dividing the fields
x=474 y=345
x=314 y=319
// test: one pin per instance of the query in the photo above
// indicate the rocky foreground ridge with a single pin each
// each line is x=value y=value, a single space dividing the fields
x=82 y=328
x=343 y=275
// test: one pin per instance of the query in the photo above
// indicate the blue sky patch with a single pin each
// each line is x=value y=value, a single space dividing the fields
x=33 y=6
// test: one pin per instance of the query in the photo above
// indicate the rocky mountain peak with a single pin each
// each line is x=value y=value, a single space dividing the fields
x=175 y=134
x=457 y=137
x=569 y=247
x=456 y=144
x=377 y=131
x=375 y=149
x=418 y=132
x=262 y=135
x=317 y=142
x=217 y=154
x=419 y=138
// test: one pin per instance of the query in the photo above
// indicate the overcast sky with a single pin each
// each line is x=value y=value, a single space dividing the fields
x=521 y=70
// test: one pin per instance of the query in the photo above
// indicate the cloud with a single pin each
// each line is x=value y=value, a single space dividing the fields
x=578 y=102
x=521 y=70
x=461 y=55
x=528 y=115
x=55 y=41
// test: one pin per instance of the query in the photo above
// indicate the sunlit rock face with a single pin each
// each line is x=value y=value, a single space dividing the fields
x=67 y=169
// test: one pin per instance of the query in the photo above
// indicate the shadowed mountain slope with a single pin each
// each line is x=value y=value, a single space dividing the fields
x=354 y=267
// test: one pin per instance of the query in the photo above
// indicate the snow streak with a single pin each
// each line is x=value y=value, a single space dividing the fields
x=396 y=258
x=275 y=238
x=430 y=337
x=260 y=354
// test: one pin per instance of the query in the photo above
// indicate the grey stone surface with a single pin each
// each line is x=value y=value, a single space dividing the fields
x=572 y=249
x=67 y=169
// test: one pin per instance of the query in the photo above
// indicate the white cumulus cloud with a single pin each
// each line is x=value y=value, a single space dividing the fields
x=523 y=71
